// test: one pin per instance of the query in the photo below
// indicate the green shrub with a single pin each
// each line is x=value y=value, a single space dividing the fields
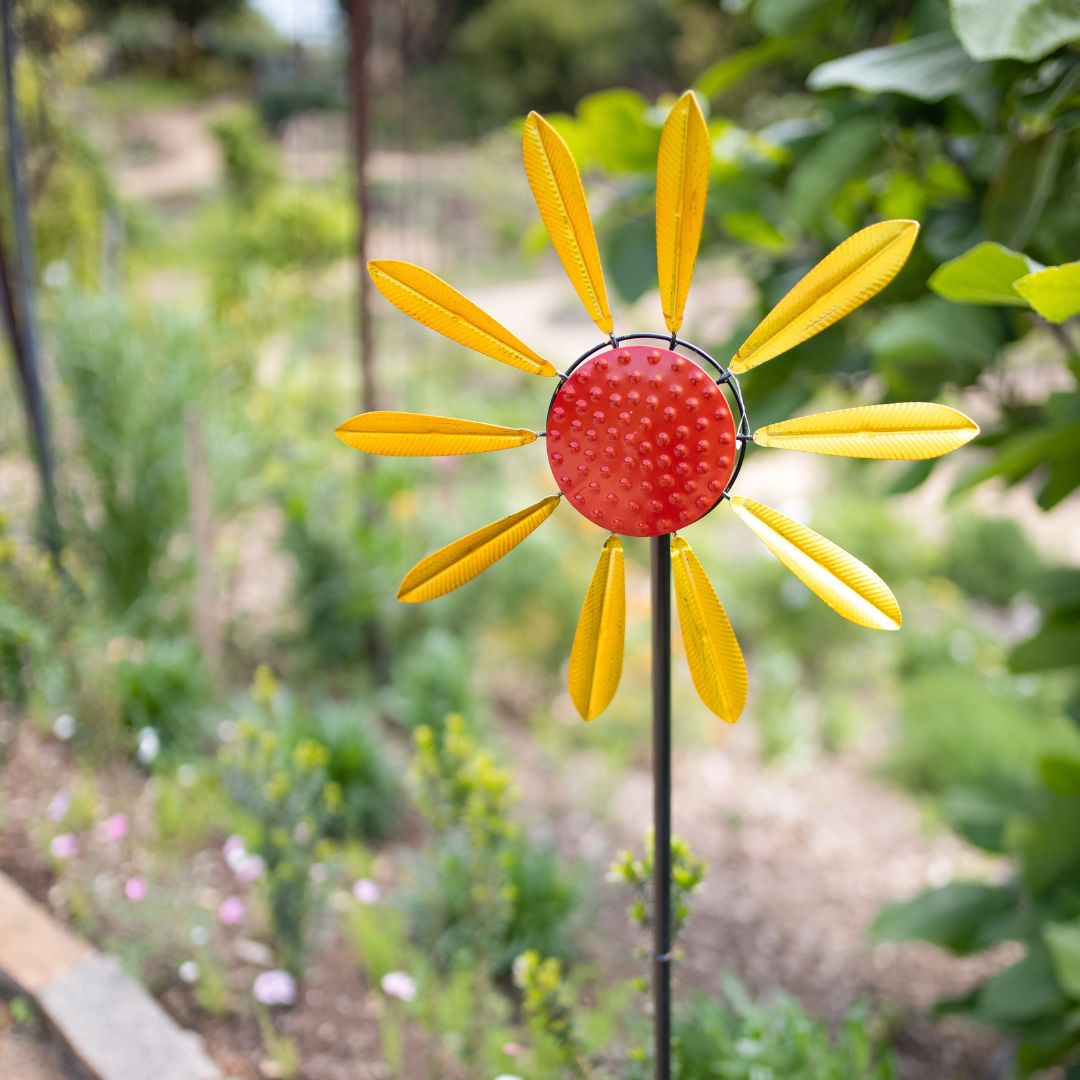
x=960 y=726
x=286 y=92
x=740 y=1039
x=251 y=168
x=431 y=679
x=545 y=54
x=165 y=687
x=991 y=559
x=281 y=785
x=22 y=639
x=482 y=893
x=1035 y=999
x=371 y=795
x=129 y=378
x=241 y=39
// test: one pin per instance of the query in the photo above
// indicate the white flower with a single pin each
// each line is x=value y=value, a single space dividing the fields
x=148 y=746
x=188 y=971
x=57 y=275
x=234 y=852
x=64 y=727
x=397 y=984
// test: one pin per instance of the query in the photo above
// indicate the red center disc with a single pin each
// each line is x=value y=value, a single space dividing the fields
x=641 y=440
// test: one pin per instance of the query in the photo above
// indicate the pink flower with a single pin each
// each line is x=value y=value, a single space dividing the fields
x=232 y=911
x=115 y=827
x=274 y=988
x=135 y=889
x=64 y=846
x=397 y=984
x=513 y=1049
x=366 y=891
x=59 y=805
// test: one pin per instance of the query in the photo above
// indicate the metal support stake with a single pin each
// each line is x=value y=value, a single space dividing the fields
x=661 y=687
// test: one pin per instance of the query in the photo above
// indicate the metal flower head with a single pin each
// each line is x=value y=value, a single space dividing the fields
x=645 y=433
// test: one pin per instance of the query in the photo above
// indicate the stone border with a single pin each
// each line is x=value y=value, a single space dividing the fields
x=105 y=1021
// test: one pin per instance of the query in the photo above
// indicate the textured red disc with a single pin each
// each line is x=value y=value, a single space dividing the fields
x=641 y=440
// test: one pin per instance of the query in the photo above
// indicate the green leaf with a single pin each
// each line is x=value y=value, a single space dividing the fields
x=1024 y=992
x=1063 y=941
x=912 y=476
x=1014 y=29
x=928 y=68
x=981 y=816
x=1060 y=773
x=1054 y=292
x=1019 y=191
x=614 y=131
x=921 y=346
x=775 y=18
x=1055 y=646
x=754 y=228
x=982 y=275
x=953 y=916
x=630 y=257
x=837 y=157
x=1046 y=845
x=731 y=70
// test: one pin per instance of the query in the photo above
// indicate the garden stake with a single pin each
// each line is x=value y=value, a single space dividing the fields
x=661 y=679
x=645 y=434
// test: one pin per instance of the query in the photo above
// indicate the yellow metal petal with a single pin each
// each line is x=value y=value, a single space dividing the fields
x=715 y=659
x=596 y=659
x=459 y=562
x=905 y=431
x=398 y=434
x=556 y=186
x=431 y=301
x=848 y=276
x=848 y=586
x=682 y=184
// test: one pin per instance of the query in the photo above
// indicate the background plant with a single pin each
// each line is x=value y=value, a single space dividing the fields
x=283 y=789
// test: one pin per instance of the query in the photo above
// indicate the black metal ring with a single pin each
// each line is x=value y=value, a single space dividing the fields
x=726 y=379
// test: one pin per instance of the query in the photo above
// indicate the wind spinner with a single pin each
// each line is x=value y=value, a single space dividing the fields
x=645 y=435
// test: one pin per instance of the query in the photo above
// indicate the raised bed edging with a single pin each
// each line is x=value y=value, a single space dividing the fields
x=108 y=1024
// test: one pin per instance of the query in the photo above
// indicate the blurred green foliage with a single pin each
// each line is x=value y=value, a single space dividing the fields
x=483 y=892
x=1034 y=998
x=131 y=445
x=370 y=805
x=165 y=687
x=283 y=788
x=737 y=1038
x=70 y=188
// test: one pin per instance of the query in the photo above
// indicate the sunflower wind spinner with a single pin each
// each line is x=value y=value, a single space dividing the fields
x=645 y=439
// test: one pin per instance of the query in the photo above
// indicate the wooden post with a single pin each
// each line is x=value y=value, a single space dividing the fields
x=204 y=613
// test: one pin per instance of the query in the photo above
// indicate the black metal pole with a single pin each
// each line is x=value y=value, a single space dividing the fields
x=18 y=289
x=661 y=687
